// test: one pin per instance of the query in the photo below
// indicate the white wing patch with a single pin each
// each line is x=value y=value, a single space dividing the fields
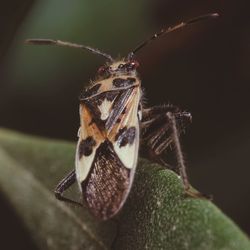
x=83 y=165
x=128 y=154
x=105 y=109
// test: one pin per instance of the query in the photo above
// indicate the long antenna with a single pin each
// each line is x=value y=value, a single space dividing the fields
x=170 y=29
x=67 y=44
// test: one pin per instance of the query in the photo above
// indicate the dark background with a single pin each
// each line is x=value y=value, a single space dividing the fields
x=203 y=69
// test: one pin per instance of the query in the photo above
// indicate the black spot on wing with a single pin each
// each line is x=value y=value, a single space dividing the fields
x=140 y=107
x=107 y=185
x=110 y=95
x=91 y=91
x=120 y=82
x=131 y=80
x=86 y=146
x=125 y=136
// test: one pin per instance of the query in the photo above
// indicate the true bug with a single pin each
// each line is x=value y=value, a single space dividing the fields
x=113 y=123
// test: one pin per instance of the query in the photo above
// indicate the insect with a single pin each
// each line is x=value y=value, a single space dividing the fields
x=113 y=124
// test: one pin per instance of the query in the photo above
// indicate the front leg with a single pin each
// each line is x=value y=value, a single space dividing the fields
x=63 y=185
x=161 y=127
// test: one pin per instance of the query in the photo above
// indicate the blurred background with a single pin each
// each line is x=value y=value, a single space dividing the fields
x=203 y=68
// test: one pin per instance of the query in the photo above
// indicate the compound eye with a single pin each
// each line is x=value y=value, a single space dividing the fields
x=102 y=70
x=121 y=66
x=135 y=64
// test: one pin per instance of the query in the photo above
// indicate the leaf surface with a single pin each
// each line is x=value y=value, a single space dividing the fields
x=157 y=214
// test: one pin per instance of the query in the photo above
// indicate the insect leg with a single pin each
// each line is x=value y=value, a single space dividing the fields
x=156 y=128
x=161 y=128
x=178 y=150
x=181 y=162
x=63 y=185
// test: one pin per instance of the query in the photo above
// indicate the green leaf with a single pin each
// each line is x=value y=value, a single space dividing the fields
x=157 y=215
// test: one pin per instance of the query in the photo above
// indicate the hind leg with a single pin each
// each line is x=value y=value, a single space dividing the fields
x=161 y=128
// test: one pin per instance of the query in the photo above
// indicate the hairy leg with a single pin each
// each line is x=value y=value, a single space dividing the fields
x=161 y=128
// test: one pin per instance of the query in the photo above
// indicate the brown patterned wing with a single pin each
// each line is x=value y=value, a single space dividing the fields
x=108 y=183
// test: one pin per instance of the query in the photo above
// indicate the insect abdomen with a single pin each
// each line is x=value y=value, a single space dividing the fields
x=108 y=183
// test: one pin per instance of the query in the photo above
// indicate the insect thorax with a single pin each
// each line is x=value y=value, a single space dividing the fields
x=108 y=98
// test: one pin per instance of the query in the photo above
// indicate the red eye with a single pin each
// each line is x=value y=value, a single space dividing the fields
x=135 y=64
x=102 y=70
